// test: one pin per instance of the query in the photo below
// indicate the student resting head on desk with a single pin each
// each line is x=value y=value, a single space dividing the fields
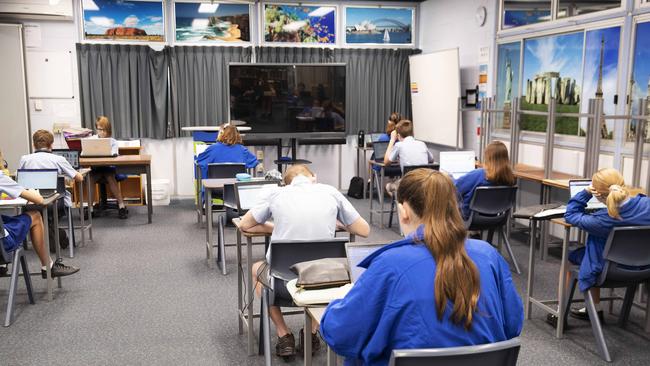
x=433 y=289
x=405 y=148
x=228 y=149
x=17 y=227
x=624 y=208
x=106 y=174
x=43 y=158
x=496 y=171
x=303 y=210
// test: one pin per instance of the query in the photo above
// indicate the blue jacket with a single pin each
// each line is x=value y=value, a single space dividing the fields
x=392 y=305
x=635 y=212
x=222 y=153
x=466 y=185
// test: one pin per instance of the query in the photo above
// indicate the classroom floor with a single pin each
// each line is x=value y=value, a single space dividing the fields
x=145 y=296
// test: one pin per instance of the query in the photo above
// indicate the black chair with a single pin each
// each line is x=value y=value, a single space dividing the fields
x=14 y=258
x=408 y=168
x=627 y=264
x=283 y=255
x=500 y=353
x=490 y=210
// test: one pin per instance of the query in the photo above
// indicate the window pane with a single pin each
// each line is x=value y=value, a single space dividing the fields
x=552 y=67
x=640 y=73
x=123 y=20
x=569 y=8
x=522 y=12
x=507 y=80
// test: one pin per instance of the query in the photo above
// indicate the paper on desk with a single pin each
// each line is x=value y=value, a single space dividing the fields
x=304 y=297
x=551 y=212
x=13 y=202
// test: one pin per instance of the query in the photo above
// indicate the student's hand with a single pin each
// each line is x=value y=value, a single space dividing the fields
x=393 y=135
x=593 y=191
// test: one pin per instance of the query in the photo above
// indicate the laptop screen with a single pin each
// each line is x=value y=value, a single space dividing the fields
x=380 y=149
x=72 y=156
x=37 y=179
x=457 y=163
x=250 y=194
x=357 y=253
x=577 y=186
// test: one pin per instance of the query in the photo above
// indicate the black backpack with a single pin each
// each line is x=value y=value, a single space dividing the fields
x=356 y=187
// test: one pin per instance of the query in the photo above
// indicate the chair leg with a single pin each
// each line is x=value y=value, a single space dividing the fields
x=490 y=237
x=509 y=249
x=70 y=233
x=627 y=306
x=27 y=277
x=267 y=326
x=392 y=211
x=12 y=287
x=596 y=327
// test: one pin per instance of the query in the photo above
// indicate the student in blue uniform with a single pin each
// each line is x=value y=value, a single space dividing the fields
x=435 y=288
x=623 y=209
x=107 y=174
x=496 y=171
x=228 y=149
x=385 y=137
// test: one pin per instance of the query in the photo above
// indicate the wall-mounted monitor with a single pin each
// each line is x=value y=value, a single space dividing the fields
x=289 y=100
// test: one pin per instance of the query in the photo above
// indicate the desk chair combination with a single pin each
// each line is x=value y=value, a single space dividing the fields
x=500 y=353
x=215 y=171
x=627 y=264
x=103 y=195
x=13 y=258
x=408 y=168
x=490 y=210
x=283 y=255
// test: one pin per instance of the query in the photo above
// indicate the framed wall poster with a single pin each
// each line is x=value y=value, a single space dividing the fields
x=123 y=20
x=375 y=25
x=284 y=23
x=211 y=22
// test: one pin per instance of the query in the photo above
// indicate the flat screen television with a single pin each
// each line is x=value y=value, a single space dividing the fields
x=289 y=100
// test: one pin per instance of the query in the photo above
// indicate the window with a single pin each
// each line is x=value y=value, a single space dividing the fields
x=507 y=80
x=212 y=22
x=640 y=81
x=522 y=12
x=570 y=8
x=123 y=20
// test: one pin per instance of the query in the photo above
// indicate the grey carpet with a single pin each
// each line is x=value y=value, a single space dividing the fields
x=145 y=296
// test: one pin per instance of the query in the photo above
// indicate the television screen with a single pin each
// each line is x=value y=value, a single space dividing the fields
x=304 y=99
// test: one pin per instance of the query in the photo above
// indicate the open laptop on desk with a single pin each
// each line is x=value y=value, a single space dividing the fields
x=43 y=180
x=96 y=148
x=457 y=163
x=72 y=156
x=357 y=252
x=575 y=186
x=380 y=148
x=248 y=194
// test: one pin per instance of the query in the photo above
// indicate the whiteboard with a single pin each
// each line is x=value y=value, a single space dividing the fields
x=435 y=91
x=50 y=74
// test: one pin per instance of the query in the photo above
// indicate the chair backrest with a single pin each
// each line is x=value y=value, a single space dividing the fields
x=60 y=185
x=225 y=170
x=626 y=255
x=491 y=205
x=4 y=256
x=500 y=353
x=284 y=254
x=434 y=166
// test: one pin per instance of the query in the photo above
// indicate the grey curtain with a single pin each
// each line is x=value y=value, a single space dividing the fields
x=377 y=80
x=199 y=84
x=126 y=83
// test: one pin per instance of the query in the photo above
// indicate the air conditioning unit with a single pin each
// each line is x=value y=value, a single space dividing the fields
x=36 y=9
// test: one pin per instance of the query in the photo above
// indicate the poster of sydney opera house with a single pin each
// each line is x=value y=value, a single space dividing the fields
x=212 y=22
x=378 y=25
x=123 y=20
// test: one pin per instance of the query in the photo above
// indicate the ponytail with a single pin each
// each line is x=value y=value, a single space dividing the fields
x=616 y=196
x=610 y=185
x=431 y=195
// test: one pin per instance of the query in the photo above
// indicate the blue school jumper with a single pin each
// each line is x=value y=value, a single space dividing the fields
x=392 y=305
x=635 y=212
x=223 y=153
x=466 y=185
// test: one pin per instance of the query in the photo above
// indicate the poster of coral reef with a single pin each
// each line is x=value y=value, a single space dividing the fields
x=212 y=22
x=123 y=20
x=299 y=24
x=373 y=25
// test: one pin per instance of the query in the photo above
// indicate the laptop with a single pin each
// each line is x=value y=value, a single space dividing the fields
x=43 y=180
x=380 y=149
x=357 y=252
x=72 y=156
x=579 y=185
x=457 y=163
x=248 y=194
x=96 y=148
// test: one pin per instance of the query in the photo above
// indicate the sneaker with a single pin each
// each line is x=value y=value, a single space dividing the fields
x=123 y=213
x=552 y=320
x=286 y=346
x=582 y=314
x=60 y=270
x=4 y=271
x=315 y=342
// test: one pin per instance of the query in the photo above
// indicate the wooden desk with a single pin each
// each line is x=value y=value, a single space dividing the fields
x=315 y=314
x=129 y=150
x=127 y=164
x=209 y=186
x=536 y=174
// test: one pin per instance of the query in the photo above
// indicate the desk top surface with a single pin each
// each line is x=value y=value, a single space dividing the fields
x=118 y=160
x=237 y=221
x=536 y=174
x=217 y=183
x=381 y=164
x=21 y=202
x=212 y=128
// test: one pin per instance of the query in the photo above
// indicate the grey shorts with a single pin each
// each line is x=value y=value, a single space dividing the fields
x=279 y=294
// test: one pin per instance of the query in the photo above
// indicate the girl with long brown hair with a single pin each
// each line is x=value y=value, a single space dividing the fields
x=496 y=171
x=435 y=288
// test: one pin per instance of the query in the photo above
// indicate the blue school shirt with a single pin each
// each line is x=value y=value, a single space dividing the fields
x=223 y=153
x=466 y=185
x=635 y=212
x=392 y=305
x=384 y=137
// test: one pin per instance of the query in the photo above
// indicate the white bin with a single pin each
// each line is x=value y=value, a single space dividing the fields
x=159 y=192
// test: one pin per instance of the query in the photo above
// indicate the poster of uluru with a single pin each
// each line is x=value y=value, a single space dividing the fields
x=123 y=20
x=212 y=22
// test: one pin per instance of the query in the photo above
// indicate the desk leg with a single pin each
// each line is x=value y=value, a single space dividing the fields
x=208 y=225
x=221 y=242
x=57 y=243
x=307 y=331
x=250 y=296
x=531 y=269
x=149 y=199
x=46 y=237
x=331 y=357
x=91 y=194
x=561 y=288
x=71 y=231
x=82 y=220
x=372 y=183
x=240 y=277
x=380 y=192
x=545 y=236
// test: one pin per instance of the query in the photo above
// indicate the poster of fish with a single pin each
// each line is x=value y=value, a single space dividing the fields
x=212 y=22
x=299 y=24
x=373 y=25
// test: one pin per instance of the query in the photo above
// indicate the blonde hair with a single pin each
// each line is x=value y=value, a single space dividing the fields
x=229 y=135
x=432 y=196
x=42 y=139
x=295 y=170
x=103 y=123
x=497 y=164
x=609 y=184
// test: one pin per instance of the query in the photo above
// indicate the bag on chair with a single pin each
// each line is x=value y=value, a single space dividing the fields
x=356 y=188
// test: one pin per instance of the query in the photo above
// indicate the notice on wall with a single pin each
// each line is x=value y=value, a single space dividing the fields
x=33 y=36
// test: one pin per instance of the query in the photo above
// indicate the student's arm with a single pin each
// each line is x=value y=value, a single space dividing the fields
x=359 y=227
x=256 y=218
x=32 y=196
x=203 y=160
x=389 y=158
x=249 y=158
x=348 y=216
x=513 y=309
x=576 y=216
x=468 y=182
x=249 y=224
x=69 y=171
